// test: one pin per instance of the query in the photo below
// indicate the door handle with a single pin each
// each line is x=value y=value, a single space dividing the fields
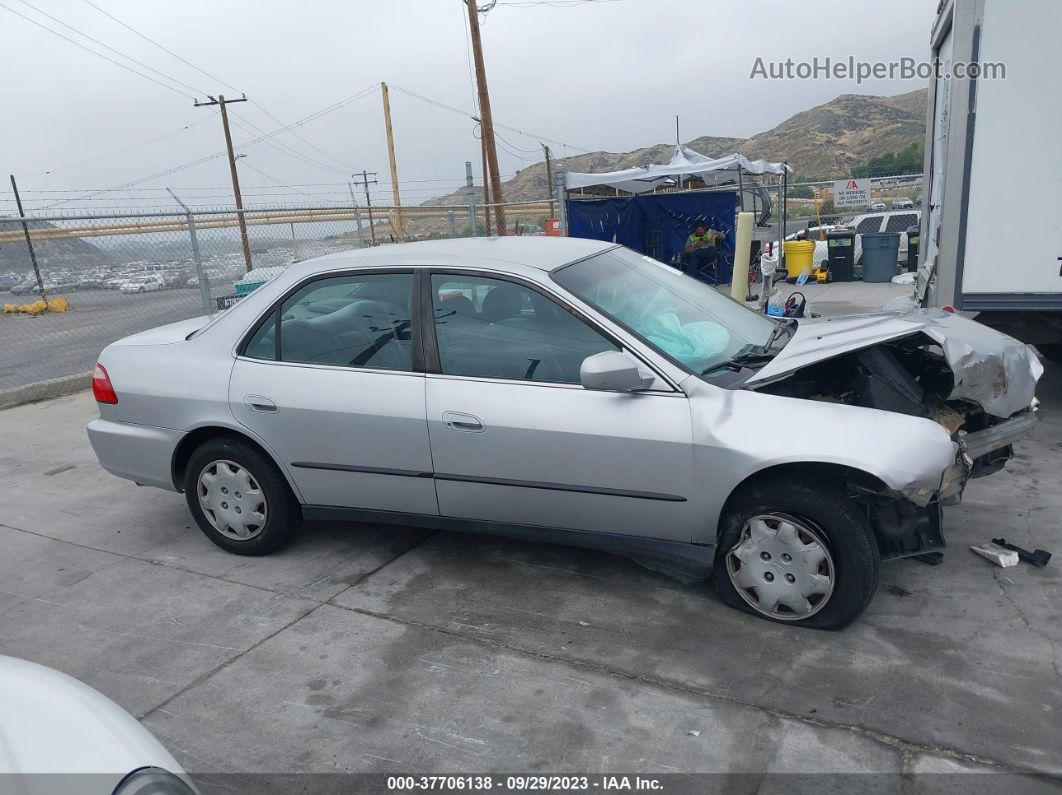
x=469 y=423
x=260 y=403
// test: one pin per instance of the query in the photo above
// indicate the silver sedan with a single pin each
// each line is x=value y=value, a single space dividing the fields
x=570 y=391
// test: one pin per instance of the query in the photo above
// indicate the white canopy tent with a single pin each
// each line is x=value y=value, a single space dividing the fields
x=684 y=163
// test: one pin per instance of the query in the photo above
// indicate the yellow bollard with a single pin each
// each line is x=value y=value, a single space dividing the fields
x=739 y=282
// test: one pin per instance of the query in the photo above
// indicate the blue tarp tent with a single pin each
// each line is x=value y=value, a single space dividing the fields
x=657 y=224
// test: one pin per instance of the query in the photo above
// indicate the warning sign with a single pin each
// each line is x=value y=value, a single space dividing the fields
x=851 y=193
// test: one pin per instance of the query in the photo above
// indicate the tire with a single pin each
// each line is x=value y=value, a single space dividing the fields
x=824 y=519
x=141 y=290
x=230 y=519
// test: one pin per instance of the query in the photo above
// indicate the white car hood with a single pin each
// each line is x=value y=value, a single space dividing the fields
x=996 y=371
x=52 y=723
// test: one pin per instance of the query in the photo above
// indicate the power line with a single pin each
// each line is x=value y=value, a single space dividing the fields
x=312 y=117
x=108 y=47
x=274 y=179
x=98 y=54
x=468 y=115
x=164 y=49
x=280 y=146
x=346 y=166
x=116 y=152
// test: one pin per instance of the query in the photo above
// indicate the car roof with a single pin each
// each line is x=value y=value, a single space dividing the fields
x=540 y=252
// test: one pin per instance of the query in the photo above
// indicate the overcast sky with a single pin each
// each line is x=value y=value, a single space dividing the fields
x=608 y=74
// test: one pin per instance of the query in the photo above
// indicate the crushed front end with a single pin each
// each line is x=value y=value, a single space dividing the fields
x=976 y=383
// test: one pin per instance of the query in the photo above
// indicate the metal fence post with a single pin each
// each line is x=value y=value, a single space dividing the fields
x=470 y=198
x=453 y=225
x=562 y=204
x=204 y=285
x=357 y=215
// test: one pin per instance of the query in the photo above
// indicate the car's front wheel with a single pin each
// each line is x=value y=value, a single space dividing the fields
x=239 y=498
x=797 y=552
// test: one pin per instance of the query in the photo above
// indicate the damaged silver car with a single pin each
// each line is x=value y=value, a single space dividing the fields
x=571 y=391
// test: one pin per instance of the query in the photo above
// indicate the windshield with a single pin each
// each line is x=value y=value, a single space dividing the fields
x=681 y=317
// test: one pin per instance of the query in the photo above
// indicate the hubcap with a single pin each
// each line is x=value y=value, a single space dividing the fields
x=782 y=567
x=232 y=500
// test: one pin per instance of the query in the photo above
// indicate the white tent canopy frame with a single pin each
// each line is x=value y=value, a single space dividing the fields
x=684 y=163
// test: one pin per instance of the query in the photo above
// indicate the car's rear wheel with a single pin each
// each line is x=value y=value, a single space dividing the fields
x=239 y=498
x=797 y=552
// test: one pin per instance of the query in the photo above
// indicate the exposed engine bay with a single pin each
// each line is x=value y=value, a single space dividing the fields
x=908 y=376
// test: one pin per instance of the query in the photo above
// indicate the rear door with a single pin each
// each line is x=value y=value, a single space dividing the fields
x=516 y=439
x=328 y=380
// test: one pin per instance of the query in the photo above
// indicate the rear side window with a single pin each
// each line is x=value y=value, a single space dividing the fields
x=348 y=321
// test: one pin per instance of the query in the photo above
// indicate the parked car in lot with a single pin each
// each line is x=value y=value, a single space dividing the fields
x=902 y=204
x=570 y=391
x=25 y=288
x=142 y=284
x=876 y=206
x=60 y=735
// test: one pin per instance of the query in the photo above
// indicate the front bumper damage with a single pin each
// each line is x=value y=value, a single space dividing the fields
x=912 y=525
x=980 y=449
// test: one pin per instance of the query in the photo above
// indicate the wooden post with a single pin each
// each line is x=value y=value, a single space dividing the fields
x=398 y=225
x=486 y=119
x=222 y=102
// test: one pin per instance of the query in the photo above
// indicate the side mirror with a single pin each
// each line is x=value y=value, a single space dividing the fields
x=612 y=371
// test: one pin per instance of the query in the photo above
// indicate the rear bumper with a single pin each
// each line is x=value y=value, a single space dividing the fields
x=139 y=453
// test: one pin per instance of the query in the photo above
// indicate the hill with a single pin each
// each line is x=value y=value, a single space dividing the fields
x=824 y=141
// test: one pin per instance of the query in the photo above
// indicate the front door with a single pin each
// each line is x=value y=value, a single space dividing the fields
x=516 y=439
x=329 y=385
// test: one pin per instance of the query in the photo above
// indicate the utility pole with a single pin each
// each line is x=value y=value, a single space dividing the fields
x=29 y=241
x=368 y=200
x=394 y=166
x=486 y=120
x=222 y=102
x=549 y=177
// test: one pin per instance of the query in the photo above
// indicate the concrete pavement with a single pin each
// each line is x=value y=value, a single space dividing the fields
x=365 y=648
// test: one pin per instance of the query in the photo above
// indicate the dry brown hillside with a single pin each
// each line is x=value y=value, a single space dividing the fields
x=825 y=141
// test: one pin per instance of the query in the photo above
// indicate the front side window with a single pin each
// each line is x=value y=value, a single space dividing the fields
x=351 y=321
x=683 y=318
x=492 y=328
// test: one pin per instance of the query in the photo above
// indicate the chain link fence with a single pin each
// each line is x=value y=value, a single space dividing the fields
x=121 y=274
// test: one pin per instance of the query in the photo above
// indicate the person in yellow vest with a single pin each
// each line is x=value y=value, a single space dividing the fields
x=701 y=249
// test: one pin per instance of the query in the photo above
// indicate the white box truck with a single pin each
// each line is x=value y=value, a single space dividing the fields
x=991 y=228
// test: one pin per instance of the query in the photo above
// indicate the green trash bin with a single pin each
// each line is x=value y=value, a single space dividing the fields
x=881 y=252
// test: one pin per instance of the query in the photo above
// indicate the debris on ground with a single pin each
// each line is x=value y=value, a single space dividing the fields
x=693 y=733
x=1038 y=557
x=998 y=555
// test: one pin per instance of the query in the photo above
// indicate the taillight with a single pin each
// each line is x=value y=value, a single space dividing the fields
x=948 y=308
x=102 y=389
